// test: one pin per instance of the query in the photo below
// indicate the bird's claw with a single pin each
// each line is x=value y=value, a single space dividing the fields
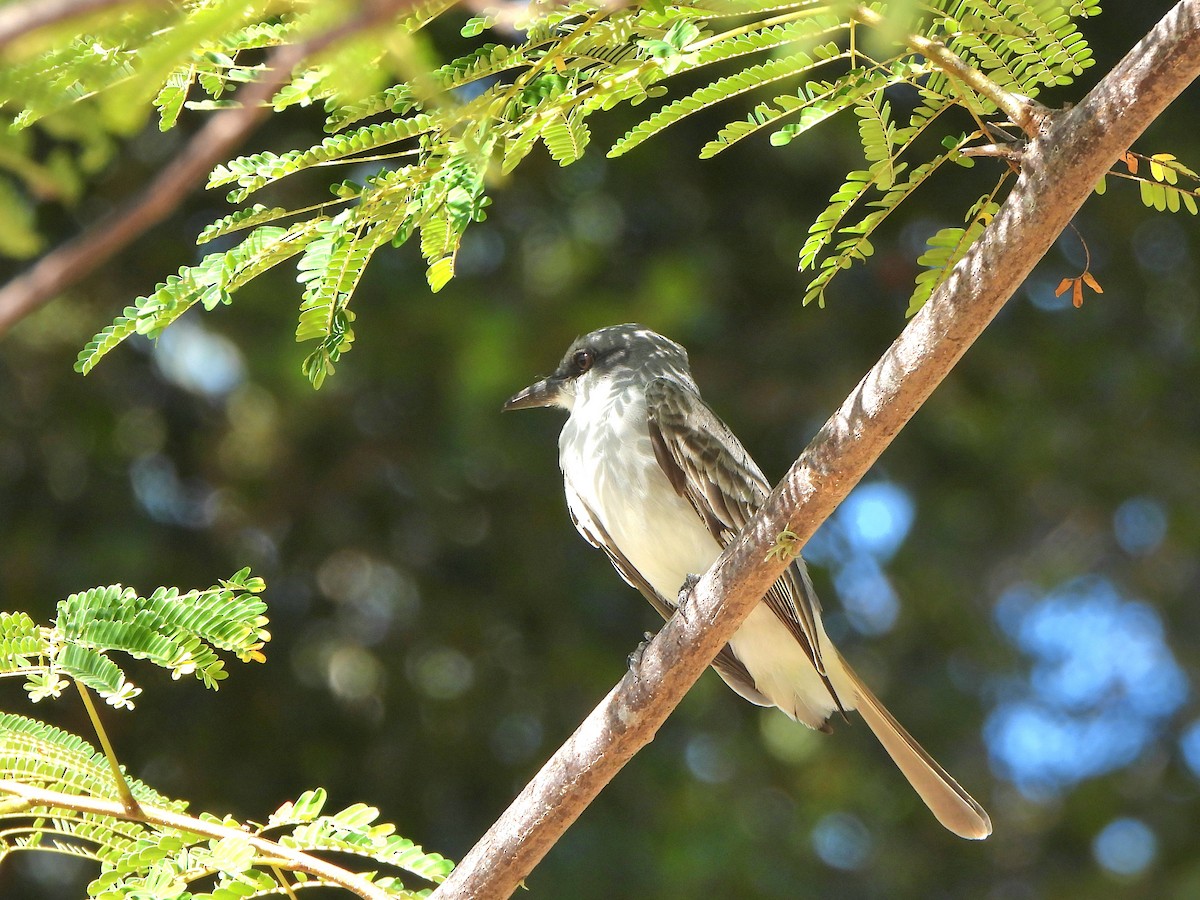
x=683 y=598
x=635 y=656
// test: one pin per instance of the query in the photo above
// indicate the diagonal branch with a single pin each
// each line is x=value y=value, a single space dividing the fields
x=1058 y=173
x=217 y=140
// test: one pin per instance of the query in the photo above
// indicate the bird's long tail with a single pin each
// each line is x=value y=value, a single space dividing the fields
x=950 y=804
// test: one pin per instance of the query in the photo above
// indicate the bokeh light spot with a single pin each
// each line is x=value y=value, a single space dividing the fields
x=517 y=737
x=877 y=518
x=354 y=673
x=166 y=497
x=871 y=605
x=865 y=532
x=1189 y=745
x=1040 y=292
x=198 y=360
x=1160 y=245
x=373 y=596
x=1140 y=524
x=441 y=673
x=1125 y=847
x=708 y=759
x=842 y=841
x=785 y=740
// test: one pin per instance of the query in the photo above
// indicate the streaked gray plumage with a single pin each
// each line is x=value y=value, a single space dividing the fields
x=659 y=483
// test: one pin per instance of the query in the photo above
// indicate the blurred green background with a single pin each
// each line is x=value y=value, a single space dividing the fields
x=1016 y=578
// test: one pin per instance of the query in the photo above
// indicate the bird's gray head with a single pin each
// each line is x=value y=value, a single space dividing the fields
x=619 y=353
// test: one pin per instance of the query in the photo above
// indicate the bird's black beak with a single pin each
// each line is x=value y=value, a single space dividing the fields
x=540 y=393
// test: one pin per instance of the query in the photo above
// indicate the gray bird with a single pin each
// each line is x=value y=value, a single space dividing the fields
x=661 y=485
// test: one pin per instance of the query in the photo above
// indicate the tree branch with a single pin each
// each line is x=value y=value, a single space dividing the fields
x=280 y=854
x=18 y=19
x=220 y=136
x=1058 y=172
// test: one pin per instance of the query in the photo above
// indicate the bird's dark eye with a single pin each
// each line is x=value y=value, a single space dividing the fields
x=582 y=361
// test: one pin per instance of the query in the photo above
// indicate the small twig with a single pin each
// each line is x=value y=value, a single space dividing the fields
x=285 y=857
x=1012 y=152
x=1085 y=278
x=283 y=882
x=132 y=808
x=1008 y=146
x=1138 y=178
x=70 y=262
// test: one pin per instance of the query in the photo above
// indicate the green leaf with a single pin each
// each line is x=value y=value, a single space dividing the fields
x=878 y=136
x=170 y=98
x=566 y=139
x=440 y=272
x=33 y=752
x=180 y=632
x=210 y=282
x=946 y=248
x=243 y=218
x=720 y=90
x=431 y=137
x=260 y=169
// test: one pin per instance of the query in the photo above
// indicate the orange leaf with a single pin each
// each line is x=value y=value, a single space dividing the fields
x=1131 y=162
x=1062 y=286
x=1092 y=283
x=1077 y=293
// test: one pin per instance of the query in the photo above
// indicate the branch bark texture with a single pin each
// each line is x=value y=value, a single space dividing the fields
x=1059 y=169
x=216 y=141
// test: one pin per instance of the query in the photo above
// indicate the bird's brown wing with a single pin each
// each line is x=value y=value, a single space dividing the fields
x=593 y=531
x=708 y=466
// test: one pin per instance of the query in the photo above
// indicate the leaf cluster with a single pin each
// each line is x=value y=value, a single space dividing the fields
x=437 y=138
x=1164 y=190
x=34 y=753
x=140 y=855
x=181 y=632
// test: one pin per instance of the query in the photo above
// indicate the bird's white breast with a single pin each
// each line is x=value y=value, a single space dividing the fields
x=608 y=462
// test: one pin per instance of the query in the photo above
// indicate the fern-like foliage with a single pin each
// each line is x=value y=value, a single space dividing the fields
x=34 y=753
x=181 y=632
x=211 y=282
x=243 y=869
x=144 y=858
x=784 y=67
x=354 y=830
x=60 y=794
x=947 y=247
